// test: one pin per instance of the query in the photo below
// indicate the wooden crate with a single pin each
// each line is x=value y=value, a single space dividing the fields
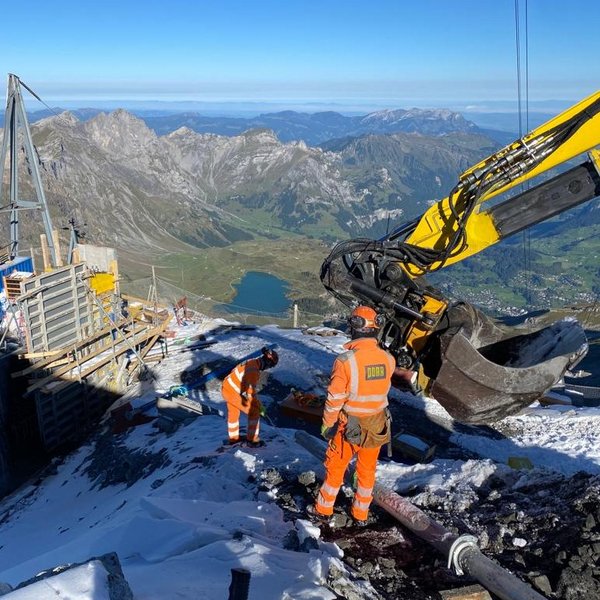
x=306 y=406
x=12 y=283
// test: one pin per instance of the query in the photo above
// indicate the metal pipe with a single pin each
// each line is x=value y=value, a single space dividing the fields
x=462 y=551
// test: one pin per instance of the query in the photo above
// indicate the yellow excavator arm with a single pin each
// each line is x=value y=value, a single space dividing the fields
x=477 y=370
x=561 y=139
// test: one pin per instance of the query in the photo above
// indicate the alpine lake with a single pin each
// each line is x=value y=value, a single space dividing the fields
x=259 y=293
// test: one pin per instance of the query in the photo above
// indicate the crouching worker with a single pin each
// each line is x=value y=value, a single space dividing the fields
x=240 y=393
x=357 y=402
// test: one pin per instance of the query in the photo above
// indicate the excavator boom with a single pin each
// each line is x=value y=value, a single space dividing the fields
x=477 y=370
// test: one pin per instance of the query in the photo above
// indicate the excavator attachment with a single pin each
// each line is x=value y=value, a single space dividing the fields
x=480 y=373
x=477 y=370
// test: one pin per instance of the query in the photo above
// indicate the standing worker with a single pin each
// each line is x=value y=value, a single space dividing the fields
x=240 y=393
x=357 y=402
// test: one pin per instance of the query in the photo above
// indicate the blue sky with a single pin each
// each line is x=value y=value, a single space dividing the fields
x=353 y=53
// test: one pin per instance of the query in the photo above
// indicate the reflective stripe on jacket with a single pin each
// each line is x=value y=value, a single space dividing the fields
x=360 y=381
x=241 y=382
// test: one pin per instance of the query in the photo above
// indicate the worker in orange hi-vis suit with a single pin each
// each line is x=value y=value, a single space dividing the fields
x=357 y=402
x=239 y=391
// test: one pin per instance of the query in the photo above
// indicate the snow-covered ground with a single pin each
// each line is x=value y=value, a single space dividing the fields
x=181 y=512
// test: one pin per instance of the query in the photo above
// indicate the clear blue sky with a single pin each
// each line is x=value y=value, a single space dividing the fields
x=398 y=52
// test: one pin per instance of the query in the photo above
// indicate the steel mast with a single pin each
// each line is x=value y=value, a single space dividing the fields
x=15 y=118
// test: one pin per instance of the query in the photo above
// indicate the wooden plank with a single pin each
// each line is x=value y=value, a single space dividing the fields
x=472 y=592
x=134 y=339
x=413 y=447
x=143 y=301
x=44 y=364
x=29 y=355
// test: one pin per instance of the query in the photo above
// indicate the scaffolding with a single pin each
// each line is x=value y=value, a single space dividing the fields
x=83 y=348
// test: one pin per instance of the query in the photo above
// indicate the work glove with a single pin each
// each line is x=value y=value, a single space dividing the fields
x=325 y=431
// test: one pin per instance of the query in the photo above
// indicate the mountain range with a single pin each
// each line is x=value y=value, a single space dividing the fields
x=148 y=194
x=312 y=128
x=316 y=128
x=139 y=190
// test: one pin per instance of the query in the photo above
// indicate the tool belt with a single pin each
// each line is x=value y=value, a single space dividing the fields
x=369 y=432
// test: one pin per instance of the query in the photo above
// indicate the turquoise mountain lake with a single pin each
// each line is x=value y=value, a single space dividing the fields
x=259 y=293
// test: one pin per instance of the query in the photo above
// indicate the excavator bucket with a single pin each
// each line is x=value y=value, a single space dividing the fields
x=480 y=373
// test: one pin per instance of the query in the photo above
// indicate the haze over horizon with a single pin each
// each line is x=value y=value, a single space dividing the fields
x=238 y=57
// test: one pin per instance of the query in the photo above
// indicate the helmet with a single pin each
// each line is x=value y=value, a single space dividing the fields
x=363 y=318
x=270 y=357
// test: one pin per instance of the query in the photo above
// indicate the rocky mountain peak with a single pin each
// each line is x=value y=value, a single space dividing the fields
x=182 y=132
x=66 y=119
x=426 y=121
x=119 y=132
x=261 y=136
x=259 y=131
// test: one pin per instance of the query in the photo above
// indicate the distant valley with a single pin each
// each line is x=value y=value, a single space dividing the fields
x=161 y=198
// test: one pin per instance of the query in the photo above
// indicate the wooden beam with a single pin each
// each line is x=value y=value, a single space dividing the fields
x=45 y=252
x=44 y=364
x=143 y=301
x=29 y=355
x=120 y=348
x=56 y=240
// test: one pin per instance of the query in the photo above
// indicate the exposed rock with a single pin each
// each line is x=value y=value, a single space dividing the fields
x=118 y=588
x=307 y=478
x=553 y=545
x=112 y=463
x=5 y=588
x=270 y=478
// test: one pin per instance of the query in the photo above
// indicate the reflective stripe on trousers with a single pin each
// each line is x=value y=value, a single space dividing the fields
x=233 y=428
x=233 y=422
x=338 y=455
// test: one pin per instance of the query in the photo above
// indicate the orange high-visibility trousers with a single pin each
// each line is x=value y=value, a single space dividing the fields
x=233 y=422
x=339 y=454
x=239 y=391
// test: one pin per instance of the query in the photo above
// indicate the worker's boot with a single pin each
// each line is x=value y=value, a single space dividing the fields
x=358 y=522
x=257 y=444
x=228 y=443
x=313 y=514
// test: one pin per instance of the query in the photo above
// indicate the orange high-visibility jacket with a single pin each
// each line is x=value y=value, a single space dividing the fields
x=360 y=381
x=239 y=387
